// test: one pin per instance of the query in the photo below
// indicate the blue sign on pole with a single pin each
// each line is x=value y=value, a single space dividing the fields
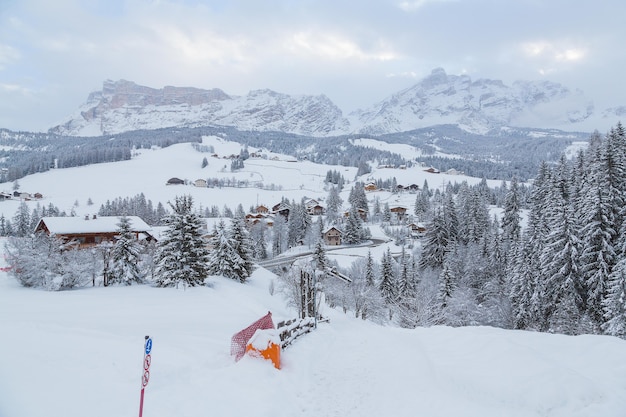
x=148 y=346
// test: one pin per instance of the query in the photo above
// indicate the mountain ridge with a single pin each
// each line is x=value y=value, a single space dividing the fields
x=478 y=106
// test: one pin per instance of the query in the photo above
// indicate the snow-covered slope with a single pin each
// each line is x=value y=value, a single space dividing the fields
x=78 y=353
x=476 y=106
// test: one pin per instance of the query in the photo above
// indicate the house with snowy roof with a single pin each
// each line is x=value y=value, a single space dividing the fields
x=89 y=231
x=332 y=236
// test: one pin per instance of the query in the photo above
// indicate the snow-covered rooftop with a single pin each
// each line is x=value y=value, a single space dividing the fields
x=91 y=224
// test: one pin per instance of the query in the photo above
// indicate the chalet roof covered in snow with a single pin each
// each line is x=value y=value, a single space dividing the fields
x=90 y=224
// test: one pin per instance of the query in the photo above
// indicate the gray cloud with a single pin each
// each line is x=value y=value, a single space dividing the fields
x=52 y=54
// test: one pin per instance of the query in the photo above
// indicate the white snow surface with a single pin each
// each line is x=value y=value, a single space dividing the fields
x=80 y=352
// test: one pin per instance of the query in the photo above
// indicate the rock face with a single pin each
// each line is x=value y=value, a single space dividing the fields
x=476 y=106
x=123 y=105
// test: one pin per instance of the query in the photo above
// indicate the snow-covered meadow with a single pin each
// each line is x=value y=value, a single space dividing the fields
x=80 y=352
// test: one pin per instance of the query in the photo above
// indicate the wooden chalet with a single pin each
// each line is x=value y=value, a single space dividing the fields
x=370 y=187
x=416 y=229
x=399 y=212
x=283 y=209
x=91 y=230
x=332 y=236
x=262 y=209
x=362 y=214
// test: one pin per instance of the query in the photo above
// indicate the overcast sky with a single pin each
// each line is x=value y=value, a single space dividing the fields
x=356 y=52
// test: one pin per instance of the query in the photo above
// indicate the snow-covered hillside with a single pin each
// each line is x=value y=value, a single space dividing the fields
x=269 y=178
x=79 y=353
x=476 y=106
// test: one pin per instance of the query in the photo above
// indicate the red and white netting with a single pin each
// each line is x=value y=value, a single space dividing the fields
x=240 y=339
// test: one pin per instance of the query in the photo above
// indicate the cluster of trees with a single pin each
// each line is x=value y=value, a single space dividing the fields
x=334 y=177
x=565 y=272
x=180 y=257
x=24 y=221
x=135 y=206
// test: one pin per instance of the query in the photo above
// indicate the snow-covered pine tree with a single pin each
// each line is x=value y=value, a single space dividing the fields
x=241 y=264
x=369 y=270
x=353 y=231
x=561 y=257
x=447 y=282
x=522 y=286
x=422 y=203
x=279 y=235
x=598 y=234
x=615 y=301
x=125 y=256
x=357 y=197
x=436 y=242
x=511 y=219
x=387 y=285
x=21 y=221
x=182 y=254
x=333 y=204
x=319 y=255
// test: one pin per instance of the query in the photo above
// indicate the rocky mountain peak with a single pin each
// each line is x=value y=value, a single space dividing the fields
x=477 y=106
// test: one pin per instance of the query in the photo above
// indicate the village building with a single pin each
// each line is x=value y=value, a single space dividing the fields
x=416 y=229
x=332 y=236
x=200 y=183
x=399 y=212
x=89 y=231
x=283 y=209
x=362 y=214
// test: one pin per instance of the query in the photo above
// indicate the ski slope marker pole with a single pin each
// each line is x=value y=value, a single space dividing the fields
x=145 y=377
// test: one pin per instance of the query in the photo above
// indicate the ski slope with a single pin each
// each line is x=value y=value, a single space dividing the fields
x=78 y=353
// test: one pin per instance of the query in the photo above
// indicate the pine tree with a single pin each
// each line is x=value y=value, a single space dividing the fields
x=598 y=234
x=357 y=197
x=242 y=265
x=279 y=235
x=511 y=219
x=353 y=231
x=21 y=221
x=369 y=270
x=125 y=256
x=615 y=302
x=446 y=284
x=437 y=240
x=387 y=285
x=182 y=254
x=333 y=204
x=560 y=259
x=319 y=255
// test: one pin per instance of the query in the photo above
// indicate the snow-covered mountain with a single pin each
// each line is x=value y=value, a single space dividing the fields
x=123 y=106
x=476 y=106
